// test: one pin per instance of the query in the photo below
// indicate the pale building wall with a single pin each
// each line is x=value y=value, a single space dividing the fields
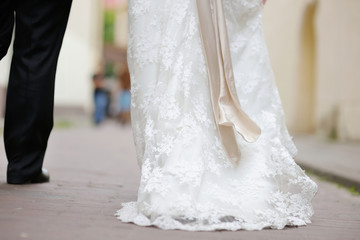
x=121 y=26
x=282 y=23
x=4 y=68
x=315 y=52
x=338 y=68
x=80 y=55
x=4 y=77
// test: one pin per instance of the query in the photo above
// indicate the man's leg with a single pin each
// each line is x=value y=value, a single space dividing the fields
x=6 y=25
x=39 y=31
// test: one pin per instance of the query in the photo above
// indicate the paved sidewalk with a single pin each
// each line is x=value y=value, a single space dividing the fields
x=93 y=170
x=336 y=161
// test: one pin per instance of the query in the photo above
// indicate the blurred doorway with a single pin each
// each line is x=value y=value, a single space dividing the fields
x=306 y=82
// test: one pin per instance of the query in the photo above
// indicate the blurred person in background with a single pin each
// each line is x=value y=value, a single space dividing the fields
x=101 y=98
x=40 y=27
x=124 y=97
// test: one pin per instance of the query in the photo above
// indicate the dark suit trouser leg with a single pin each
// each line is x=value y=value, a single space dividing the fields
x=39 y=31
x=6 y=25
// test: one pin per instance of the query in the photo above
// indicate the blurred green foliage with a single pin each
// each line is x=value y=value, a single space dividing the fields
x=109 y=69
x=109 y=25
x=63 y=124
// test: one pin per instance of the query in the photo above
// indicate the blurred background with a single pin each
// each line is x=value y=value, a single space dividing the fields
x=313 y=44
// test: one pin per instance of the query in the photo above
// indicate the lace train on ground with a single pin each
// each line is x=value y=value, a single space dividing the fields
x=186 y=180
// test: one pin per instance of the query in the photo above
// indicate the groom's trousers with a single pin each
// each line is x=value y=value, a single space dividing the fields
x=39 y=30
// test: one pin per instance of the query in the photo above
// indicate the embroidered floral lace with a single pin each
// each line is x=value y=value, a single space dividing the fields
x=186 y=180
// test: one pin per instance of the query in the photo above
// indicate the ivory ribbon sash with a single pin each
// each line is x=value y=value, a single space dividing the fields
x=225 y=102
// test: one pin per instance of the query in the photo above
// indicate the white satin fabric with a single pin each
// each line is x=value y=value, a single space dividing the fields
x=228 y=114
x=187 y=181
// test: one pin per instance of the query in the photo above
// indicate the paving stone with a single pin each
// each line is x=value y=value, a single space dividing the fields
x=94 y=170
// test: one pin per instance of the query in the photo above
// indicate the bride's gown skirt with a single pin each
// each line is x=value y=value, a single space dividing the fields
x=187 y=182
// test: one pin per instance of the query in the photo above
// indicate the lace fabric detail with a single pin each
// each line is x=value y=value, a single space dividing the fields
x=187 y=182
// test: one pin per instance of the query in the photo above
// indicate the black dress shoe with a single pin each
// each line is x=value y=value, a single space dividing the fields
x=42 y=177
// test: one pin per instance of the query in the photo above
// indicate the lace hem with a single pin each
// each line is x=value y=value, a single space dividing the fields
x=129 y=214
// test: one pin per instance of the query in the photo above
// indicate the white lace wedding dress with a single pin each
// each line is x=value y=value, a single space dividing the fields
x=187 y=182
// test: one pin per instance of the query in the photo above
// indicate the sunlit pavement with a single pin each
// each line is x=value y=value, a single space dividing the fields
x=93 y=170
